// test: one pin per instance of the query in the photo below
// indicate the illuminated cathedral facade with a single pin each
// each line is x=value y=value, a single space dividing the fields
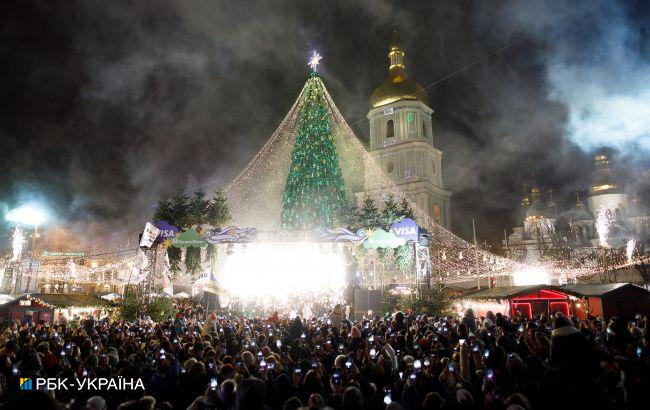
x=402 y=140
x=610 y=219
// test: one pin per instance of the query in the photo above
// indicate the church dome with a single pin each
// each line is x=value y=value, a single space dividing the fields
x=579 y=213
x=536 y=209
x=397 y=86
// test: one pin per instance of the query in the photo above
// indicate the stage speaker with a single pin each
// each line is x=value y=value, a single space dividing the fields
x=365 y=300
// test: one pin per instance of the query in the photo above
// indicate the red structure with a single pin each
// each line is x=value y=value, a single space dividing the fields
x=603 y=300
x=53 y=307
x=541 y=301
x=624 y=300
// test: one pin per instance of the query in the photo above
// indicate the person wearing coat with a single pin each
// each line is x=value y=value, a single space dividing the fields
x=469 y=320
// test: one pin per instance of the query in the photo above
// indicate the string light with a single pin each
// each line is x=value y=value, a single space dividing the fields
x=256 y=199
x=314 y=191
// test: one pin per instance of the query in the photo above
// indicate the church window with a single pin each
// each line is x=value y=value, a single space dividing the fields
x=390 y=167
x=390 y=129
x=436 y=213
x=411 y=125
x=424 y=131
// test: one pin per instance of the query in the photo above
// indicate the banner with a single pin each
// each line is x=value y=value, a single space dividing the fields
x=231 y=234
x=378 y=238
x=189 y=238
x=168 y=264
x=341 y=235
x=211 y=284
x=406 y=229
x=149 y=235
x=167 y=231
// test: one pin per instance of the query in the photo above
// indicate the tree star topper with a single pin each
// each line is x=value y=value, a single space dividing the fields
x=314 y=61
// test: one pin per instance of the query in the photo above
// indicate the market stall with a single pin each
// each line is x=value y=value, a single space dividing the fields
x=54 y=307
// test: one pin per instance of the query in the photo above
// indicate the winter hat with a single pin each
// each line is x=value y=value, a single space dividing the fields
x=561 y=321
x=340 y=360
x=292 y=403
x=464 y=398
x=487 y=323
x=188 y=364
x=49 y=360
x=96 y=403
x=408 y=359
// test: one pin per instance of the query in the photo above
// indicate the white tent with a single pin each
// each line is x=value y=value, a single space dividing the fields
x=111 y=296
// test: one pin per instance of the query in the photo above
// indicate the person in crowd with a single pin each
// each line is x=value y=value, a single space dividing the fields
x=469 y=320
x=405 y=361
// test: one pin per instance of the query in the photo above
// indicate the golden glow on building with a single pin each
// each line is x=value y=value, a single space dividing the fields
x=397 y=86
x=604 y=187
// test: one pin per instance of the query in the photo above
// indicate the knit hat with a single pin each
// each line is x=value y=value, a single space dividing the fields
x=487 y=323
x=188 y=364
x=561 y=321
x=464 y=398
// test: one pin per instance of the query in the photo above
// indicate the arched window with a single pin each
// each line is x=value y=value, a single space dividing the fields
x=411 y=124
x=390 y=129
x=424 y=131
x=390 y=167
x=436 y=213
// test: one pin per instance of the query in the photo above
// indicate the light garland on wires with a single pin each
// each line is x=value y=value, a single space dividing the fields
x=256 y=199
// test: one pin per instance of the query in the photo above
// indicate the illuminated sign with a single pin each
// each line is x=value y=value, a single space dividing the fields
x=167 y=230
x=58 y=253
x=406 y=228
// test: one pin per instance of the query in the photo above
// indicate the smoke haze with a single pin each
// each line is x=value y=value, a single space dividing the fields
x=105 y=107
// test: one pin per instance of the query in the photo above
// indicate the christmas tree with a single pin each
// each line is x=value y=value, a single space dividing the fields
x=391 y=213
x=369 y=216
x=314 y=192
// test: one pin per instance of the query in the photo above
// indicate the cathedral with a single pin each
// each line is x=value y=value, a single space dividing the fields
x=610 y=219
x=401 y=139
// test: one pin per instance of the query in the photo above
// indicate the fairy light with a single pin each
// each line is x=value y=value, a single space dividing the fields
x=256 y=199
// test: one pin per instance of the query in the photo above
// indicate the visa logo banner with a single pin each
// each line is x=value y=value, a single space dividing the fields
x=406 y=229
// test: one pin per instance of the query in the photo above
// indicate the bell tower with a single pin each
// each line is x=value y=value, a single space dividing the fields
x=401 y=139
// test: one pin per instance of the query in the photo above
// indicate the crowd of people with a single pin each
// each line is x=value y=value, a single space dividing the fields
x=195 y=360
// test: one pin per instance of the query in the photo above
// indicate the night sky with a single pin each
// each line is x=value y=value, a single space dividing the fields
x=107 y=106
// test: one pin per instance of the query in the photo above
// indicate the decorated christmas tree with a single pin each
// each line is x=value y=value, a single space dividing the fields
x=314 y=192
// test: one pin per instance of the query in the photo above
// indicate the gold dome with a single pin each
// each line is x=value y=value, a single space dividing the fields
x=397 y=86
